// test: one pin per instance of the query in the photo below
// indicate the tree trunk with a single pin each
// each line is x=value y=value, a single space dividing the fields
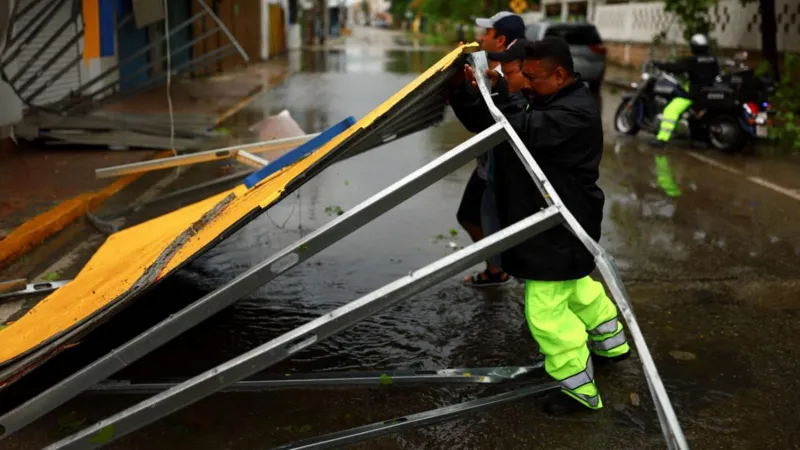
x=769 y=35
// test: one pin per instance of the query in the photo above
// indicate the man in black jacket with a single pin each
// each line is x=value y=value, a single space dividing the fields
x=561 y=127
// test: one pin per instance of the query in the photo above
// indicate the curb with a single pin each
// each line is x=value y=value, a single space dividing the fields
x=33 y=232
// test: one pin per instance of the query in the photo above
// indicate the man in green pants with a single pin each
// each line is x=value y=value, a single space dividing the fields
x=702 y=70
x=568 y=313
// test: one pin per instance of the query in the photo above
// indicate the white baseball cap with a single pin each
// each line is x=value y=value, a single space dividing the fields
x=489 y=23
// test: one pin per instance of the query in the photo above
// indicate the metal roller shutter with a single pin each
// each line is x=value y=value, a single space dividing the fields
x=38 y=63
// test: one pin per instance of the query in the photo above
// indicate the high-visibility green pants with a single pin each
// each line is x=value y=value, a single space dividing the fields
x=664 y=177
x=563 y=317
x=672 y=114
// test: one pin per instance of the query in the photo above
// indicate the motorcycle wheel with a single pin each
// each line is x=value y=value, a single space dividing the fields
x=725 y=134
x=623 y=120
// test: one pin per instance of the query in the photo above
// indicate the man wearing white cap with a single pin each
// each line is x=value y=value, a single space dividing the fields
x=477 y=212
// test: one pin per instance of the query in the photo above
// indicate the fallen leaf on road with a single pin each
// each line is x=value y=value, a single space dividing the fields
x=682 y=356
x=635 y=399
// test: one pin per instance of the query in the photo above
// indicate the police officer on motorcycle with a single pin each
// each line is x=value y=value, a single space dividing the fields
x=702 y=69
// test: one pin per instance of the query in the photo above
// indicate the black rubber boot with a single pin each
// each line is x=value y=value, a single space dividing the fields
x=561 y=404
x=602 y=361
x=655 y=143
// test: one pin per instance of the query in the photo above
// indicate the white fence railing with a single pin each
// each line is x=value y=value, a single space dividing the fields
x=735 y=26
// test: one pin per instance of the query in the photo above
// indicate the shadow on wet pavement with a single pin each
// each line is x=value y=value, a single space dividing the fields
x=712 y=274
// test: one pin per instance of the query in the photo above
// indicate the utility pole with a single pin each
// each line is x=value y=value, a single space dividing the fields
x=769 y=36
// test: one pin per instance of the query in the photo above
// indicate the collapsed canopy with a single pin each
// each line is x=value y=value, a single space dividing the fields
x=133 y=260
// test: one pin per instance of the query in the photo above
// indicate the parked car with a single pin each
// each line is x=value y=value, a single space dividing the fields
x=585 y=43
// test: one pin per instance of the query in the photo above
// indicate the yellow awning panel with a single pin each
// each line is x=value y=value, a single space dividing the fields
x=133 y=259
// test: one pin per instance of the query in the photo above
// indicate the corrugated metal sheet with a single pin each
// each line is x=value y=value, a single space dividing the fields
x=71 y=78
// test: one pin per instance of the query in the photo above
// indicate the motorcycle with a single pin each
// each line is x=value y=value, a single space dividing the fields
x=726 y=116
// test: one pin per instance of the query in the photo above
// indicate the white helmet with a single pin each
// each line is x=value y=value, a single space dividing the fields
x=699 y=44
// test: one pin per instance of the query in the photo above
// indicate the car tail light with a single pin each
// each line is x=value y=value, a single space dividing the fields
x=598 y=48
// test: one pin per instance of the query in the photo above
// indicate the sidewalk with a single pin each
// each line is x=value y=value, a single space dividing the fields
x=44 y=189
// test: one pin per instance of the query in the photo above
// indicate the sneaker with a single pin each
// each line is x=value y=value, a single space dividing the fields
x=487 y=278
x=561 y=404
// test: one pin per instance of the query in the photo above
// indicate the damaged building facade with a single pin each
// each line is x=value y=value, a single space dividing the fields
x=66 y=58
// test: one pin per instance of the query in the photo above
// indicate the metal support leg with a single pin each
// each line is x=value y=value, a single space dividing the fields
x=43 y=287
x=358 y=434
x=225 y=30
x=307 y=335
x=320 y=380
x=249 y=281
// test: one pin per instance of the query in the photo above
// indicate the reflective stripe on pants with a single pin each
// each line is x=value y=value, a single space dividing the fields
x=671 y=116
x=559 y=313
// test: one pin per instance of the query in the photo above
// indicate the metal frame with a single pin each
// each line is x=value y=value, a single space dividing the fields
x=43 y=287
x=200 y=157
x=478 y=375
x=278 y=349
x=358 y=434
x=250 y=280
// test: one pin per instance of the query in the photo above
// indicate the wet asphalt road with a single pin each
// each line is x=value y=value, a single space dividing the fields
x=713 y=276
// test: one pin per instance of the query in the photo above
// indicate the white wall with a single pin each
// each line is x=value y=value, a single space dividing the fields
x=735 y=27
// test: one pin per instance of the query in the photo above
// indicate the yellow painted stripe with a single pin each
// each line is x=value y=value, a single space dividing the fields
x=33 y=232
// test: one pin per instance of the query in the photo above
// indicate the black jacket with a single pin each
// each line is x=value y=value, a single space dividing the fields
x=564 y=134
x=701 y=69
x=467 y=99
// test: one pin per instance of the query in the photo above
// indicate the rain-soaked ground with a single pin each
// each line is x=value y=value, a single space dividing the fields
x=712 y=272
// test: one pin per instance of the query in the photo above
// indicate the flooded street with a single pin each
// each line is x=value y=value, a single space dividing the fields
x=711 y=262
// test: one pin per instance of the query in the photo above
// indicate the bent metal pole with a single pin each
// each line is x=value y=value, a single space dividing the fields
x=312 y=333
x=250 y=280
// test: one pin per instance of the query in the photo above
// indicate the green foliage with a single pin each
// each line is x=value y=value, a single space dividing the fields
x=693 y=15
x=334 y=210
x=786 y=102
x=103 y=435
x=458 y=10
x=763 y=69
x=398 y=10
